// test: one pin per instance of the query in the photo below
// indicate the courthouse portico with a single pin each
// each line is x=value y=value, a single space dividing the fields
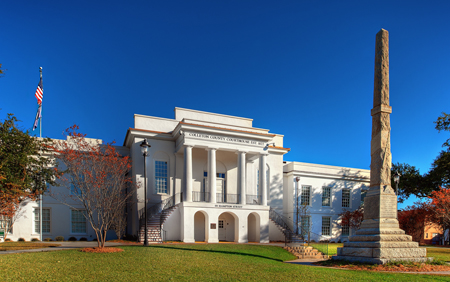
x=220 y=168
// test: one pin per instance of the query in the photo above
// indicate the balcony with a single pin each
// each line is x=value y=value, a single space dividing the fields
x=226 y=198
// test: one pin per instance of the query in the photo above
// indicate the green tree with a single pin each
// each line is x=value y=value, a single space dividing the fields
x=422 y=185
x=411 y=182
x=25 y=165
x=443 y=124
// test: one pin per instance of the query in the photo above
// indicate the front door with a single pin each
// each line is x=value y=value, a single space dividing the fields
x=222 y=230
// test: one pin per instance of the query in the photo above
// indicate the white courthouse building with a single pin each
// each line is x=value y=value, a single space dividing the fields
x=213 y=177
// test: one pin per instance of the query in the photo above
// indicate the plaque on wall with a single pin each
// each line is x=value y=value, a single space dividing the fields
x=213 y=226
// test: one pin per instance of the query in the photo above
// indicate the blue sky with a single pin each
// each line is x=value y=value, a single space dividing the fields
x=299 y=68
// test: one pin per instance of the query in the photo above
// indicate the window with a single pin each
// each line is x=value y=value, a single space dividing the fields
x=345 y=230
x=218 y=174
x=363 y=195
x=326 y=226
x=161 y=176
x=426 y=235
x=305 y=196
x=78 y=221
x=45 y=221
x=326 y=196
x=220 y=223
x=345 y=198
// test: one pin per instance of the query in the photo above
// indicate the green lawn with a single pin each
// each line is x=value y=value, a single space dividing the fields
x=327 y=248
x=439 y=253
x=180 y=262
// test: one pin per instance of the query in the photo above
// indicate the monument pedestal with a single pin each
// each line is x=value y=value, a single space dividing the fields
x=379 y=239
x=381 y=249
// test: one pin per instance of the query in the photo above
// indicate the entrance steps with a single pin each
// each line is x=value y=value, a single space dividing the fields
x=153 y=226
x=306 y=252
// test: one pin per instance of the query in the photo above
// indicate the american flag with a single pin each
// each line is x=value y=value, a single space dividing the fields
x=39 y=92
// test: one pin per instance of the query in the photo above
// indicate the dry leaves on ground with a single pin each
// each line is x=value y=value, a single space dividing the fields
x=102 y=250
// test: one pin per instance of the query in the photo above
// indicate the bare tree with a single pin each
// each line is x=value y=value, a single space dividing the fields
x=96 y=177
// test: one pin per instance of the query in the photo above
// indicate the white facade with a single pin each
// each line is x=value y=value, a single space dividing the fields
x=224 y=175
x=327 y=191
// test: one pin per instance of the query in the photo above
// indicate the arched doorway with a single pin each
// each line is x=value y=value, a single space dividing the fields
x=200 y=224
x=253 y=227
x=228 y=226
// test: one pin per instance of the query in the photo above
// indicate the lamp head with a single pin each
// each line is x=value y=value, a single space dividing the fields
x=144 y=147
x=397 y=177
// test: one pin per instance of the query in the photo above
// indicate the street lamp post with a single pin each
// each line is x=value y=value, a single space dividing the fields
x=297 y=179
x=144 y=149
x=396 y=180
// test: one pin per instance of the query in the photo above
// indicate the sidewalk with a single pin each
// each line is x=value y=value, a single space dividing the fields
x=64 y=245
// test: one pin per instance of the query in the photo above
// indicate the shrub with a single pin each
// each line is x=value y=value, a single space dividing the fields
x=59 y=238
x=72 y=239
x=48 y=240
x=21 y=240
x=132 y=238
x=35 y=240
x=83 y=239
x=94 y=240
x=7 y=240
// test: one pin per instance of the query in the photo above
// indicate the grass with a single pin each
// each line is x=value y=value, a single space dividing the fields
x=10 y=246
x=181 y=262
x=439 y=253
x=327 y=248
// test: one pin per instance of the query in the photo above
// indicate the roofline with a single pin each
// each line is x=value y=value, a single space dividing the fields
x=216 y=114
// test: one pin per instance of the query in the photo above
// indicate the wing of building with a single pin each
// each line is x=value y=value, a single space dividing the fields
x=213 y=177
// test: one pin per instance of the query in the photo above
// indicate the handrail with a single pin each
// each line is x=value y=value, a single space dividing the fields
x=157 y=208
x=289 y=235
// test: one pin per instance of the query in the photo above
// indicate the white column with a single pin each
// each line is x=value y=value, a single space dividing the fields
x=212 y=174
x=241 y=178
x=263 y=178
x=188 y=173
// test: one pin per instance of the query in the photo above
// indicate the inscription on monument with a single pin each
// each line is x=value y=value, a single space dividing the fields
x=388 y=207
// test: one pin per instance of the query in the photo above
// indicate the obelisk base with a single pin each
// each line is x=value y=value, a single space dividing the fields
x=381 y=245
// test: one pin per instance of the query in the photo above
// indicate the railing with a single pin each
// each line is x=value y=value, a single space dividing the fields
x=200 y=196
x=253 y=199
x=289 y=235
x=157 y=208
x=227 y=198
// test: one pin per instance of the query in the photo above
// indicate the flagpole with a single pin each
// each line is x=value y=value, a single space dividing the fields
x=40 y=194
x=40 y=123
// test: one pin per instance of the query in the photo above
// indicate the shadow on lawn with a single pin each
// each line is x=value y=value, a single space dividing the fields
x=215 y=251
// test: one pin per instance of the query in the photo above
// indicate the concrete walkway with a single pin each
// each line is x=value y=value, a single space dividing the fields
x=65 y=245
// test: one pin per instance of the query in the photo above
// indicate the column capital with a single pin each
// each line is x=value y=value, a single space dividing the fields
x=211 y=148
x=240 y=152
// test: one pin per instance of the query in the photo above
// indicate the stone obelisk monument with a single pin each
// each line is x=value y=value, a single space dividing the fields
x=379 y=239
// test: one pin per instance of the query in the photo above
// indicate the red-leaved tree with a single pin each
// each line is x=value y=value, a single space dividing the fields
x=440 y=206
x=352 y=219
x=96 y=177
x=415 y=219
